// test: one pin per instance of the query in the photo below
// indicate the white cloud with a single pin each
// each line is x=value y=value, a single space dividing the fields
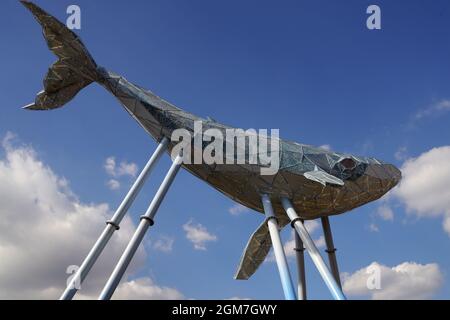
x=425 y=188
x=123 y=169
x=367 y=147
x=385 y=212
x=238 y=298
x=312 y=226
x=110 y=166
x=44 y=228
x=237 y=209
x=435 y=109
x=127 y=169
x=289 y=249
x=446 y=224
x=326 y=147
x=113 y=184
x=373 y=227
x=320 y=242
x=406 y=281
x=164 y=244
x=145 y=289
x=401 y=154
x=198 y=235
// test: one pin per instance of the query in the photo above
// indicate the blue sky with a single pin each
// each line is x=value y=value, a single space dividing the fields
x=310 y=68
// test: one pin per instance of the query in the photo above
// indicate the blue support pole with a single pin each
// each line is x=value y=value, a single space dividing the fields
x=283 y=268
x=111 y=226
x=145 y=223
x=327 y=276
x=301 y=275
x=331 y=250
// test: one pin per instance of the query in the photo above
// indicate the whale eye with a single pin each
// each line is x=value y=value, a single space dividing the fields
x=348 y=163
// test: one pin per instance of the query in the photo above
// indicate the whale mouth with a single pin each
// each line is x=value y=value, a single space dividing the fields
x=388 y=175
x=396 y=174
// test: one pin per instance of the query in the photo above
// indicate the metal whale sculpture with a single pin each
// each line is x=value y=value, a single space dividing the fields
x=318 y=182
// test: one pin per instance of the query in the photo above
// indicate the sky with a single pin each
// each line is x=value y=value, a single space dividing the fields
x=309 y=68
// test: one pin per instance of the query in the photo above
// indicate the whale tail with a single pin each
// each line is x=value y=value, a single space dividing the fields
x=74 y=70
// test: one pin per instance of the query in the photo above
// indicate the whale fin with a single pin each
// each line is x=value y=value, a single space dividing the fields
x=322 y=177
x=257 y=249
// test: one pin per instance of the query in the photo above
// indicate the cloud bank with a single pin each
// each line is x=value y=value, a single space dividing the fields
x=44 y=228
x=406 y=281
x=425 y=187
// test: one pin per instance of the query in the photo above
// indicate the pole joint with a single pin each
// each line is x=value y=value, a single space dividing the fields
x=114 y=224
x=150 y=220
x=294 y=221
x=272 y=218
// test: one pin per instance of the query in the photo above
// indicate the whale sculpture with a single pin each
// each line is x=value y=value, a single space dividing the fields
x=318 y=182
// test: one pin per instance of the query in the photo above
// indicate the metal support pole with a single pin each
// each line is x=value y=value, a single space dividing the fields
x=300 y=255
x=312 y=249
x=331 y=250
x=280 y=257
x=145 y=223
x=74 y=285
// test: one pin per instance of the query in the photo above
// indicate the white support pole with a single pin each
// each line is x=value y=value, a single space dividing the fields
x=283 y=268
x=111 y=226
x=312 y=249
x=145 y=223
x=301 y=275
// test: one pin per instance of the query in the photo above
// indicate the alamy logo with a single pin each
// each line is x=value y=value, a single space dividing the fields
x=73 y=281
x=73 y=21
x=229 y=147
x=374 y=278
x=374 y=20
